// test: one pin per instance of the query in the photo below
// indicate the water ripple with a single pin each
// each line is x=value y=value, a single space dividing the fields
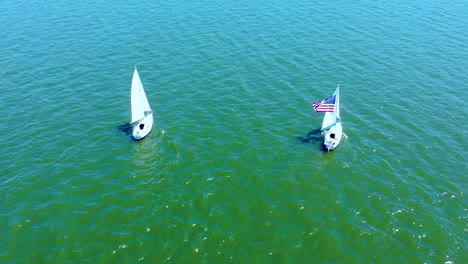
x=223 y=176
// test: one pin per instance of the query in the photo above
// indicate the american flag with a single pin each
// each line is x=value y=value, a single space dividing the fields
x=326 y=105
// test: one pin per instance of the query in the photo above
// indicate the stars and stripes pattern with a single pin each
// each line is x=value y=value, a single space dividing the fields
x=326 y=105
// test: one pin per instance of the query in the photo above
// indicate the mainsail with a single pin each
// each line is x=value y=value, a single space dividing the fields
x=139 y=102
x=331 y=118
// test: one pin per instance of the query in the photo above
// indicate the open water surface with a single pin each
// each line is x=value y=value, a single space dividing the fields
x=229 y=173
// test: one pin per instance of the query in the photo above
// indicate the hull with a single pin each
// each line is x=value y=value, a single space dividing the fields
x=332 y=137
x=143 y=127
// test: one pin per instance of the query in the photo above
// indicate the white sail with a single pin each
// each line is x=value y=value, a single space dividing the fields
x=330 y=118
x=139 y=102
x=337 y=102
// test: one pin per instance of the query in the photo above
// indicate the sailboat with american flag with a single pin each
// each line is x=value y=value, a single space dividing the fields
x=331 y=125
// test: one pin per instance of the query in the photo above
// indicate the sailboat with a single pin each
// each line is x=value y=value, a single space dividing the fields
x=142 y=115
x=331 y=125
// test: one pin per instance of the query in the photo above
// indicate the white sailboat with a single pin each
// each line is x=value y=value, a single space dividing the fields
x=331 y=125
x=142 y=115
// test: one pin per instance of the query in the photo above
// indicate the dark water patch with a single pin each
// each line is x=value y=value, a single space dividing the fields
x=312 y=136
x=125 y=128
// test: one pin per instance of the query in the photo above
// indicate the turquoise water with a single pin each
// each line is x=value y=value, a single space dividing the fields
x=226 y=175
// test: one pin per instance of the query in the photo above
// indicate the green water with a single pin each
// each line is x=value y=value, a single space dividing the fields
x=226 y=175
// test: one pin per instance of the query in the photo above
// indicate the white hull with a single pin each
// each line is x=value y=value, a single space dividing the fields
x=143 y=127
x=333 y=136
